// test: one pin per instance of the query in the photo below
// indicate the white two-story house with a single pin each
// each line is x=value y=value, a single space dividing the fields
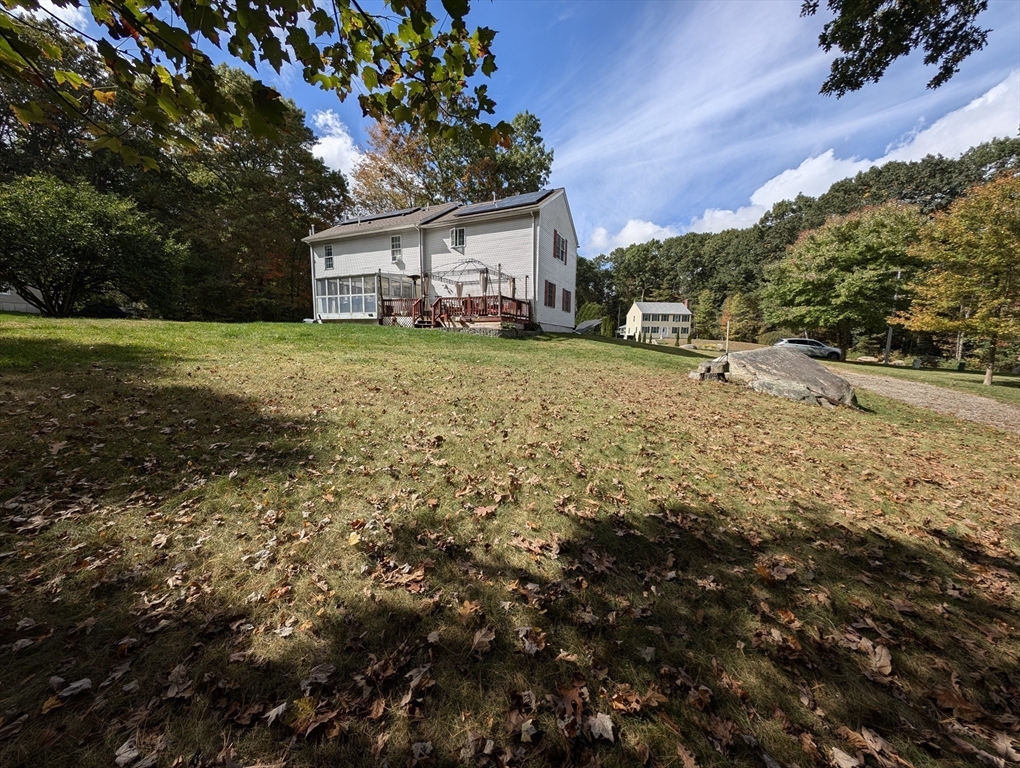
x=505 y=261
x=659 y=320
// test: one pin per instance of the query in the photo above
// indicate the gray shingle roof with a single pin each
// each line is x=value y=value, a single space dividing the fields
x=392 y=220
x=663 y=307
x=436 y=214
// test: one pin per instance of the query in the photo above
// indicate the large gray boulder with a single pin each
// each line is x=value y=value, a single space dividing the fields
x=783 y=372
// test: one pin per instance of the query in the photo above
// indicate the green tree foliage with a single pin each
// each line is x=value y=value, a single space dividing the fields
x=706 y=315
x=971 y=280
x=593 y=281
x=58 y=147
x=842 y=276
x=405 y=167
x=403 y=60
x=872 y=34
x=239 y=201
x=637 y=270
x=589 y=311
x=931 y=183
x=67 y=244
x=243 y=203
x=734 y=261
x=741 y=311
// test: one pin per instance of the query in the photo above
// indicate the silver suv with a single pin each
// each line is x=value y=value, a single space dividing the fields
x=810 y=347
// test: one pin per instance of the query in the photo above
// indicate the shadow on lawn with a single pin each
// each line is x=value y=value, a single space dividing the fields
x=95 y=448
x=771 y=630
x=766 y=626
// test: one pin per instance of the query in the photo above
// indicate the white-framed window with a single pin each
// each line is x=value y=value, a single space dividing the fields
x=346 y=296
x=327 y=256
x=559 y=247
x=395 y=251
x=457 y=237
x=396 y=287
x=566 y=300
x=683 y=329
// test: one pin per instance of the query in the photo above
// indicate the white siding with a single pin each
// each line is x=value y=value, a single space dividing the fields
x=369 y=253
x=555 y=217
x=499 y=244
x=633 y=321
x=12 y=302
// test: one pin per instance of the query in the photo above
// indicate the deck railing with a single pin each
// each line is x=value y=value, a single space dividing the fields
x=447 y=309
x=489 y=307
x=399 y=307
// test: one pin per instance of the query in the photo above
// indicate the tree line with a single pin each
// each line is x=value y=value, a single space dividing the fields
x=829 y=266
x=212 y=229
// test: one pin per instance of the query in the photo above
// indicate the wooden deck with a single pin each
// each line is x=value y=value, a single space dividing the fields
x=454 y=311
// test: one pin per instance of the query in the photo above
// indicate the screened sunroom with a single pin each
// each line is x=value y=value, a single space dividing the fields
x=357 y=297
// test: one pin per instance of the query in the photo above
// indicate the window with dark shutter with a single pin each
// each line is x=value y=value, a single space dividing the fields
x=550 y=294
x=559 y=247
x=566 y=300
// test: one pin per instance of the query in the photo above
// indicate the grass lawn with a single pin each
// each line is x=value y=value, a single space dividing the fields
x=298 y=545
x=1005 y=386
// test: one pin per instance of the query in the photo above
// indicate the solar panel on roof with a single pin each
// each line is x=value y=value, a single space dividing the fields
x=377 y=216
x=517 y=201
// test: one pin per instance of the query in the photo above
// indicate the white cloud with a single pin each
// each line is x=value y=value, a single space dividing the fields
x=634 y=231
x=694 y=105
x=992 y=115
x=718 y=219
x=72 y=15
x=995 y=114
x=335 y=147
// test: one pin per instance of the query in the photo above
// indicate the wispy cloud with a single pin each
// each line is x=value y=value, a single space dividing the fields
x=696 y=104
x=995 y=114
x=335 y=147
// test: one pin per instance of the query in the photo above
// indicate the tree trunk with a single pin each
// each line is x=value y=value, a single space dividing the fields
x=991 y=362
x=843 y=330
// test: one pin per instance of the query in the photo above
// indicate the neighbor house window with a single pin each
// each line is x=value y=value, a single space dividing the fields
x=559 y=247
x=395 y=251
x=550 y=294
x=683 y=329
x=457 y=237
x=327 y=252
x=566 y=300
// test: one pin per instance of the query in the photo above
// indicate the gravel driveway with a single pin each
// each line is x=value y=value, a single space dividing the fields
x=963 y=406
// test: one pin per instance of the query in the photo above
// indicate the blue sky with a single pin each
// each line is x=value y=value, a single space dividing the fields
x=667 y=117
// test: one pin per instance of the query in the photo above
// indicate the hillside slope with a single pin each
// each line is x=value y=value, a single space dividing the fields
x=307 y=545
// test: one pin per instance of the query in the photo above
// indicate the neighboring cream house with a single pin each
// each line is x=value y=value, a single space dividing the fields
x=659 y=320
x=505 y=261
x=12 y=302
